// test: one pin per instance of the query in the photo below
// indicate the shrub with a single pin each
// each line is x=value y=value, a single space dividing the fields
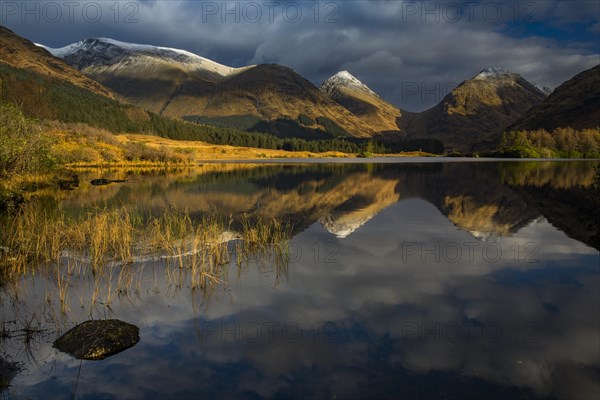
x=142 y=152
x=24 y=147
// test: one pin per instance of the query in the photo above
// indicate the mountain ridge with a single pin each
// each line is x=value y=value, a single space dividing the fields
x=276 y=99
x=156 y=79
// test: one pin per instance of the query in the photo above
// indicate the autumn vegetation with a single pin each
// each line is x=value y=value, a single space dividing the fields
x=560 y=143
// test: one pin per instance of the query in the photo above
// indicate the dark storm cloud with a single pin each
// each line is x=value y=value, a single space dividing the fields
x=411 y=53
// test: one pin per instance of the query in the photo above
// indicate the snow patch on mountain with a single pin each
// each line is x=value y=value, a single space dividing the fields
x=344 y=79
x=48 y=49
x=492 y=72
x=106 y=51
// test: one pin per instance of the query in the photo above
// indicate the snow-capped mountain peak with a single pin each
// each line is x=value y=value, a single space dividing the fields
x=106 y=51
x=345 y=79
x=501 y=73
x=492 y=72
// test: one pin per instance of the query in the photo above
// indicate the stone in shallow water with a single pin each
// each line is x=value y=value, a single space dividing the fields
x=8 y=370
x=96 y=340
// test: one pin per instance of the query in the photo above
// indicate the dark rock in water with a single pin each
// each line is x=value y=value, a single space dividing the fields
x=96 y=340
x=69 y=184
x=8 y=370
x=102 y=182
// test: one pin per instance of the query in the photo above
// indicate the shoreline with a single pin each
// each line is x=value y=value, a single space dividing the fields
x=382 y=159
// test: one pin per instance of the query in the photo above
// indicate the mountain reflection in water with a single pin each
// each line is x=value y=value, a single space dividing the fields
x=453 y=280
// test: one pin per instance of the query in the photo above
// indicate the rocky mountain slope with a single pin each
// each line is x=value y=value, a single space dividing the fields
x=46 y=87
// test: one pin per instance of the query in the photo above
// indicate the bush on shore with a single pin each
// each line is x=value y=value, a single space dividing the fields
x=24 y=147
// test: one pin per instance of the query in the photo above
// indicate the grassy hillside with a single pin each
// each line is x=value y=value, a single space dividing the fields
x=20 y=52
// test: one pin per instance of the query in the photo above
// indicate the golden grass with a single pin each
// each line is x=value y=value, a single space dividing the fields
x=82 y=146
x=200 y=151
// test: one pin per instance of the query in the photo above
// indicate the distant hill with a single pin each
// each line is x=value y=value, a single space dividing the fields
x=141 y=88
x=575 y=104
x=45 y=87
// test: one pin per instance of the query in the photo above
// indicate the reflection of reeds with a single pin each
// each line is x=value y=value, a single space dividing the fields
x=265 y=239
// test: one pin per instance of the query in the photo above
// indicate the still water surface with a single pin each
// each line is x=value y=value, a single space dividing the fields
x=409 y=280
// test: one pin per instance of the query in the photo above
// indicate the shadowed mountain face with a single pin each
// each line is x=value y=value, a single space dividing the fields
x=343 y=198
x=575 y=104
x=475 y=114
x=177 y=83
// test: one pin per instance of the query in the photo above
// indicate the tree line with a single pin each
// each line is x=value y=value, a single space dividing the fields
x=560 y=143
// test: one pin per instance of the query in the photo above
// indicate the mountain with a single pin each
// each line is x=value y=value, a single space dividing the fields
x=357 y=97
x=575 y=104
x=476 y=113
x=148 y=76
x=18 y=52
x=177 y=83
x=46 y=87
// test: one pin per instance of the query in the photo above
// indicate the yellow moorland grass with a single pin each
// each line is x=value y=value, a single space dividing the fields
x=79 y=145
x=82 y=145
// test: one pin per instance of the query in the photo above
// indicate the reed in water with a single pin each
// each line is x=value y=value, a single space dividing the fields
x=99 y=239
